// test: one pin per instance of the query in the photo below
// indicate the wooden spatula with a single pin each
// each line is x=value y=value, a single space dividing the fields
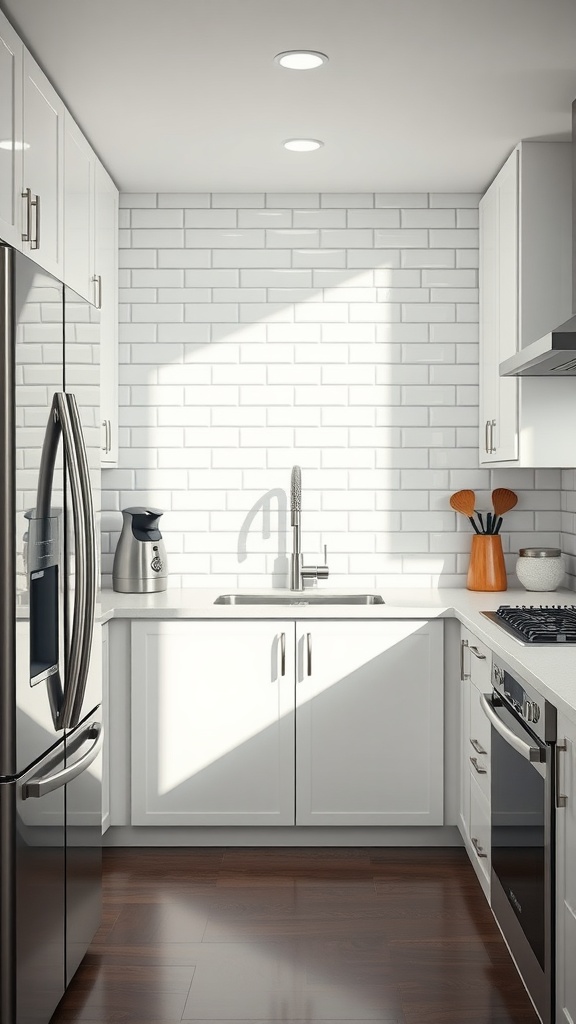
x=463 y=502
x=503 y=500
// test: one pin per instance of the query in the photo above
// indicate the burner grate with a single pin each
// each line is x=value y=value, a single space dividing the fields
x=541 y=625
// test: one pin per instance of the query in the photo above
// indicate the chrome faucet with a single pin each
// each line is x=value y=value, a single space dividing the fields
x=298 y=571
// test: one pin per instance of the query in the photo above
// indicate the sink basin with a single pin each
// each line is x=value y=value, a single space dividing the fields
x=299 y=599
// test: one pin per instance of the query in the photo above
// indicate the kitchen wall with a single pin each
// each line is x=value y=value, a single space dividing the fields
x=334 y=331
x=568 y=522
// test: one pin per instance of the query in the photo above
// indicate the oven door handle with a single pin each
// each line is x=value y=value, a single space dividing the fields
x=534 y=754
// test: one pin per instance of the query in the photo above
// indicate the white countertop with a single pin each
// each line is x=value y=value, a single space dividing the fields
x=552 y=670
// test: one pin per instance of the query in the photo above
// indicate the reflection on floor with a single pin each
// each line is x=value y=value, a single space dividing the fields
x=402 y=936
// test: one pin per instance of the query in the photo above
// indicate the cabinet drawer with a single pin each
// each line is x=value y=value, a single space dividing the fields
x=479 y=744
x=480 y=827
x=476 y=661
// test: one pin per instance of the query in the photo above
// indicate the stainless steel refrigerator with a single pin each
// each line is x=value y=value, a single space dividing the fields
x=50 y=679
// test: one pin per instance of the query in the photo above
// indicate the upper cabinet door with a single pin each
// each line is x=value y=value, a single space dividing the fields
x=43 y=180
x=10 y=133
x=79 y=168
x=106 y=297
x=499 y=315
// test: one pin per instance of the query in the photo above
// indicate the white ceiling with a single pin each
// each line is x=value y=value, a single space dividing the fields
x=419 y=95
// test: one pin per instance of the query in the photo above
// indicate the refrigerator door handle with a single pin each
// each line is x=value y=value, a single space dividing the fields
x=41 y=785
x=71 y=715
x=60 y=423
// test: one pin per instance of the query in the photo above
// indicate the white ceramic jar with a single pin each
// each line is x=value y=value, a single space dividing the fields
x=540 y=568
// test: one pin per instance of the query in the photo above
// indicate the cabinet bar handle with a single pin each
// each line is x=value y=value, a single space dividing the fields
x=477 y=847
x=561 y=798
x=35 y=242
x=492 y=448
x=107 y=446
x=282 y=654
x=477 y=747
x=463 y=676
x=476 y=653
x=478 y=767
x=487 y=437
x=97 y=279
x=309 y=649
x=27 y=195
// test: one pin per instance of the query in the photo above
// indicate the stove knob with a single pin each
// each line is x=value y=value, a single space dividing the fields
x=530 y=710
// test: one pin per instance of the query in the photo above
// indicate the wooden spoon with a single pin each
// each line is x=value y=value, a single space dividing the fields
x=502 y=501
x=463 y=502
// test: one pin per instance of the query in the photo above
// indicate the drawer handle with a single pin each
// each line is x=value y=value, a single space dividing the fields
x=477 y=747
x=478 y=767
x=463 y=675
x=282 y=654
x=561 y=798
x=476 y=653
x=477 y=847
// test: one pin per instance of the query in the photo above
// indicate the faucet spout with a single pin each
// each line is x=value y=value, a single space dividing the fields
x=298 y=571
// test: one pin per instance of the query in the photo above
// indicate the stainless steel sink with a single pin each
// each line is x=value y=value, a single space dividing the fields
x=299 y=599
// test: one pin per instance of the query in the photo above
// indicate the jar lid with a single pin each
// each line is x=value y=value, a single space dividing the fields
x=539 y=552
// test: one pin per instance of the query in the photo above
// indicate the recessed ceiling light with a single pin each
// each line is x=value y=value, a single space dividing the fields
x=301 y=60
x=10 y=144
x=302 y=145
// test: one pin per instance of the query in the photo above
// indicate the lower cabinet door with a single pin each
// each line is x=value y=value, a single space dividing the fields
x=369 y=723
x=566 y=874
x=213 y=723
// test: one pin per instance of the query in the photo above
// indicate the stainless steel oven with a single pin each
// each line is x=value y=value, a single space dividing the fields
x=522 y=828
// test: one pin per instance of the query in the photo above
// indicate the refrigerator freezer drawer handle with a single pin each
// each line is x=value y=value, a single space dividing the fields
x=39 y=787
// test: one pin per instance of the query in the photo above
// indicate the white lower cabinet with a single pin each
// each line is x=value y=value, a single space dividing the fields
x=106 y=727
x=213 y=723
x=566 y=875
x=279 y=723
x=369 y=723
x=474 y=818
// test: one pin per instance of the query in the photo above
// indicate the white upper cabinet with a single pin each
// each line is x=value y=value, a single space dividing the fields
x=79 y=178
x=42 y=171
x=106 y=285
x=525 y=291
x=11 y=51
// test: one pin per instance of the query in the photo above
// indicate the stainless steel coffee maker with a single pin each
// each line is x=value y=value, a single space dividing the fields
x=140 y=561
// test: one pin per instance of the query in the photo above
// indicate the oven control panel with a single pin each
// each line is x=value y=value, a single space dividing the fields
x=525 y=701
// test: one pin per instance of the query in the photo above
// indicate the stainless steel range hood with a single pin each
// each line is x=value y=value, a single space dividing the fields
x=554 y=355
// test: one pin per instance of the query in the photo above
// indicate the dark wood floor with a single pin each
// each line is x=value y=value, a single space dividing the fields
x=400 y=936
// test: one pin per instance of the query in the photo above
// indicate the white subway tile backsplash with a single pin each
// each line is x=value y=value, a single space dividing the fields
x=156 y=238
x=237 y=200
x=240 y=258
x=376 y=258
x=184 y=258
x=337 y=331
x=211 y=219
x=319 y=218
x=293 y=200
x=156 y=218
x=319 y=258
x=402 y=238
x=428 y=218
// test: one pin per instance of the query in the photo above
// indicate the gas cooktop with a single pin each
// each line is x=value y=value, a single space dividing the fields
x=540 y=626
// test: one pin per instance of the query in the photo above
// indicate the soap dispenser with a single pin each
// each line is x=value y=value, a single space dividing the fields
x=140 y=560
